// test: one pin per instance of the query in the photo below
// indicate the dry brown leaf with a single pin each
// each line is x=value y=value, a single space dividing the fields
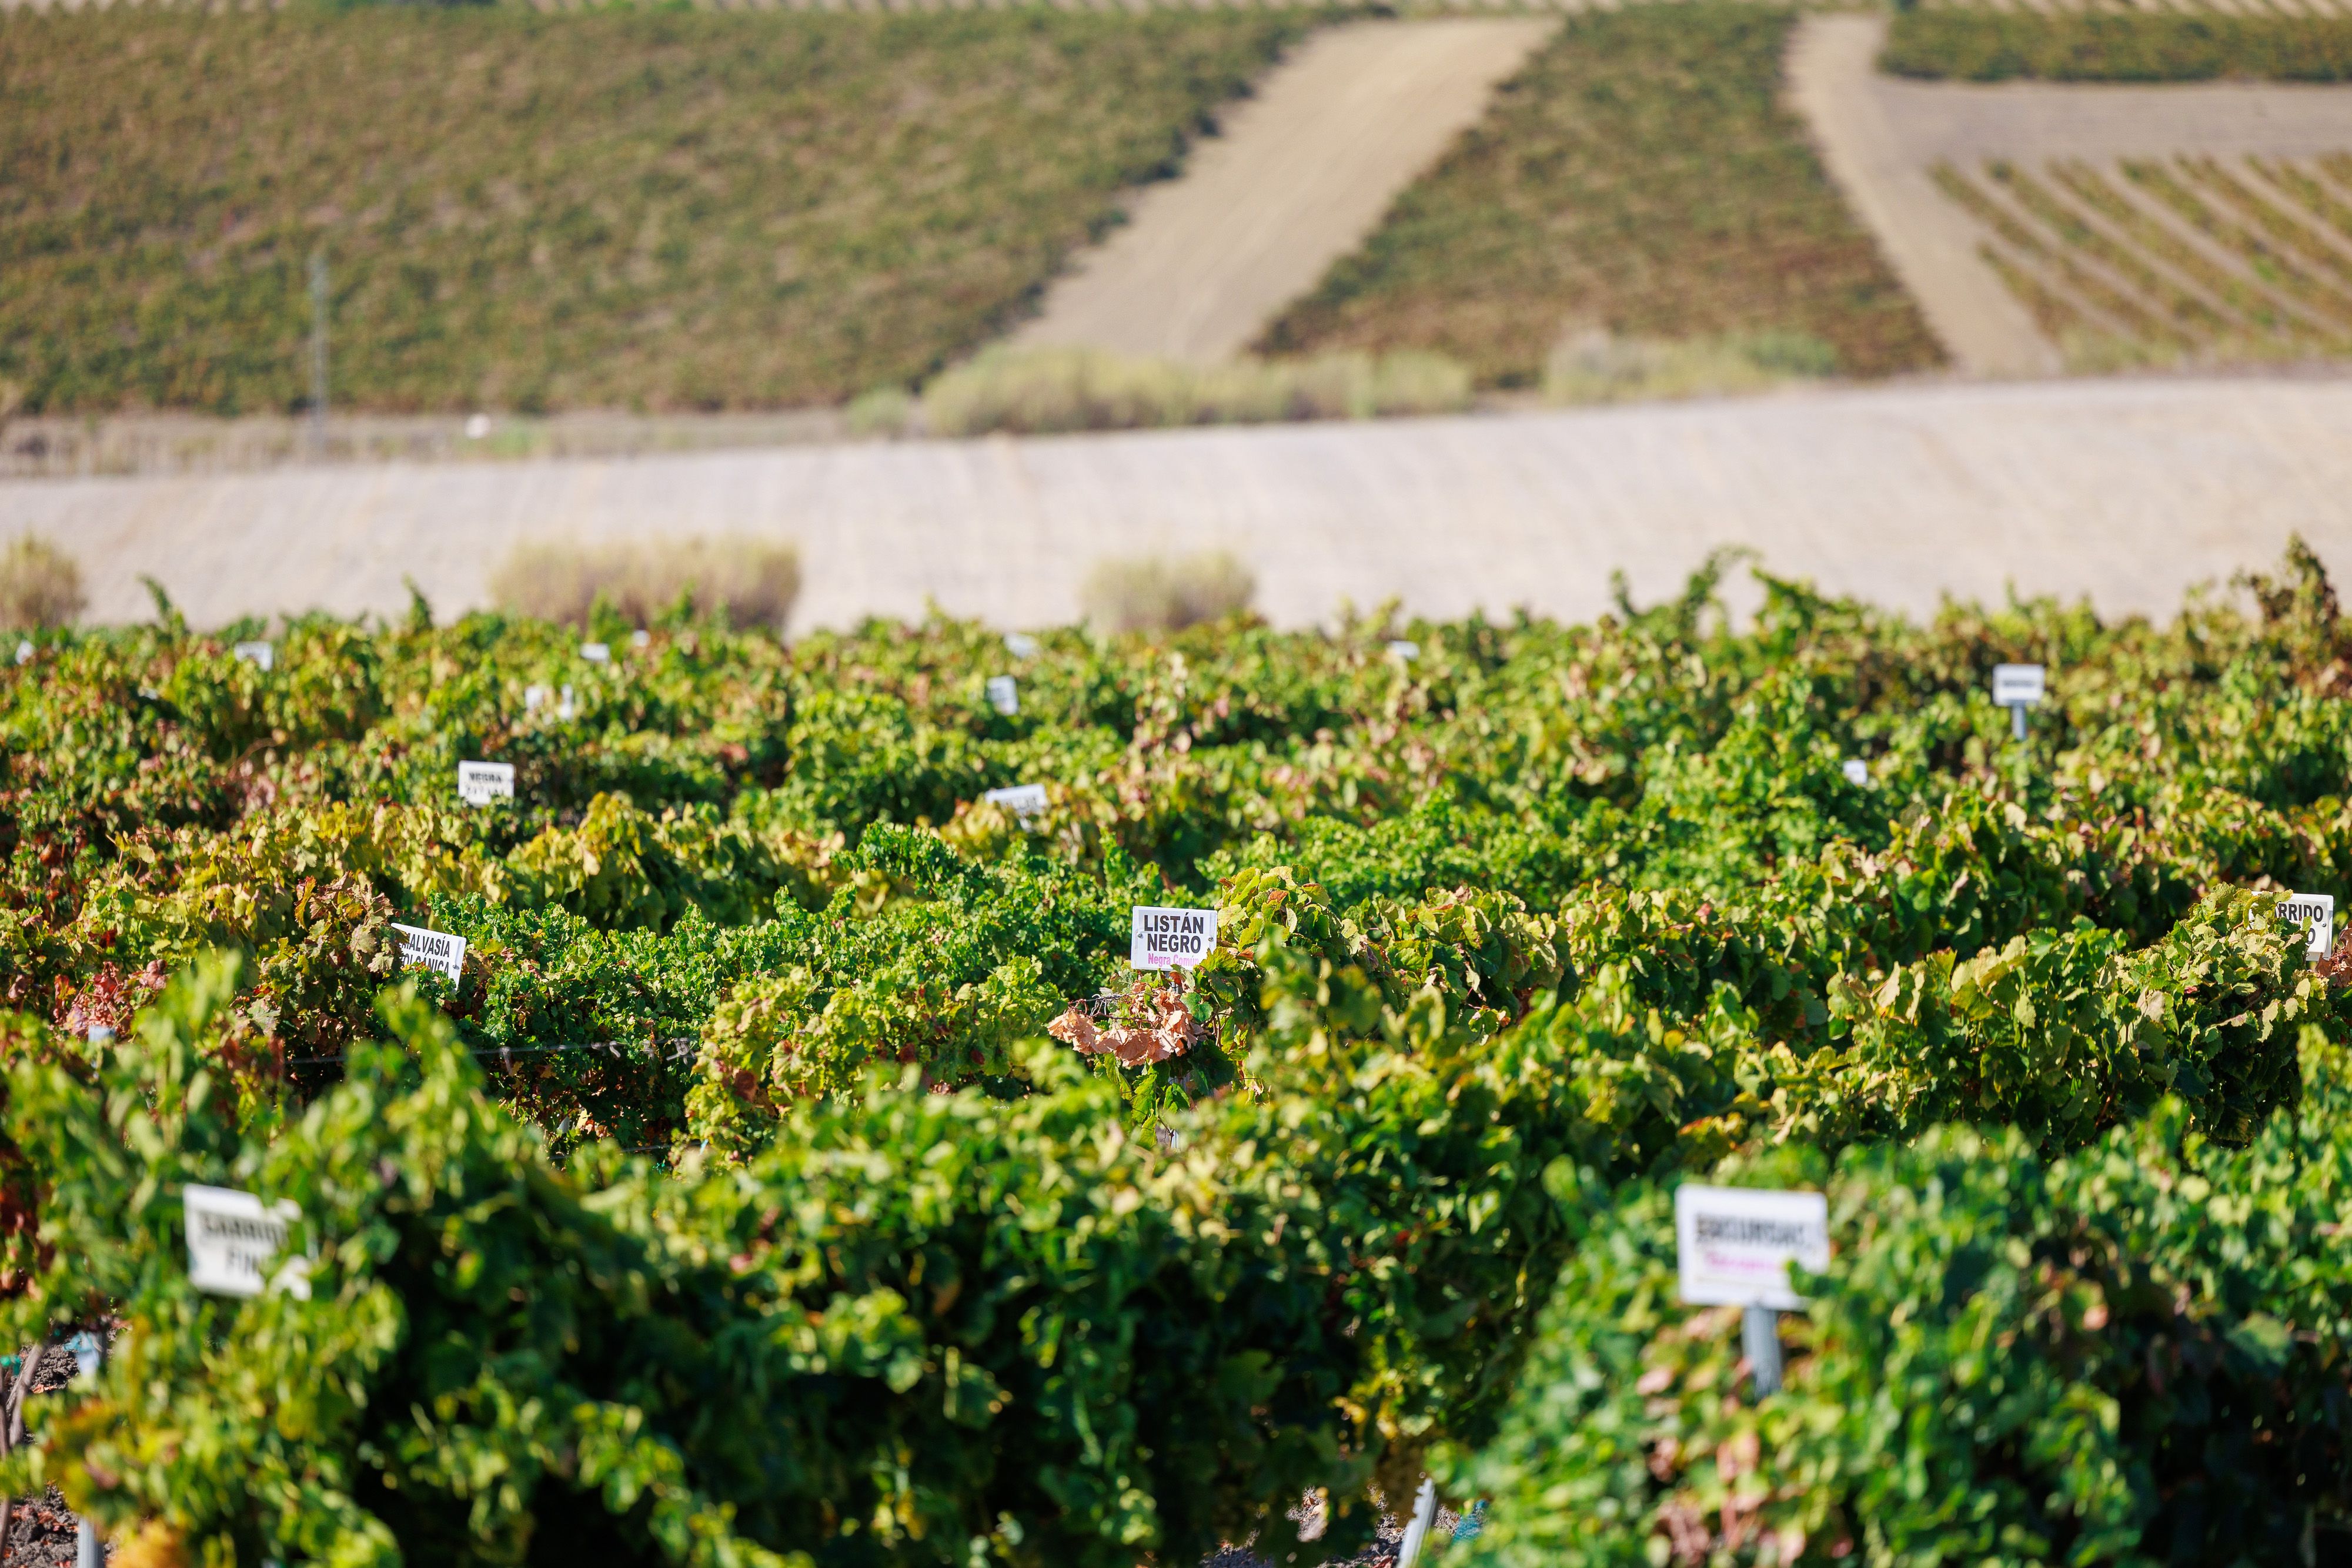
x=1075 y=1028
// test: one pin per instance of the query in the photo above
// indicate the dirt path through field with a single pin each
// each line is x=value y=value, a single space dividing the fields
x=1931 y=243
x=2127 y=491
x=1882 y=138
x=1301 y=172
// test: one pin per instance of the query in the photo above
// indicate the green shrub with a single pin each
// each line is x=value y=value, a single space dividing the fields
x=920 y=1320
x=1515 y=927
x=2130 y=1352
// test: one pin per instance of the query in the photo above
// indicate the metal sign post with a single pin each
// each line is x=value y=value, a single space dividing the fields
x=1734 y=1244
x=1416 y=1534
x=89 y=1550
x=1759 y=1338
x=2017 y=687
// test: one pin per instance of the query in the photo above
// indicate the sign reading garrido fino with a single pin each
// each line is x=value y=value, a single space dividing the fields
x=2016 y=685
x=437 y=950
x=1171 y=938
x=480 y=783
x=233 y=1239
x=2316 y=913
x=1735 y=1244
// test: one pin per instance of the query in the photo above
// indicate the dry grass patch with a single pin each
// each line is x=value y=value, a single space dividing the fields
x=1044 y=389
x=749 y=582
x=1593 y=365
x=40 y=585
x=1154 y=594
x=1640 y=173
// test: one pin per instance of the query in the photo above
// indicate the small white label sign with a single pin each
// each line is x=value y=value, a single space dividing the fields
x=1021 y=799
x=1019 y=644
x=264 y=654
x=2016 y=685
x=2315 y=911
x=1405 y=651
x=1856 y=771
x=536 y=697
x=480 y=783
x=233 y=1239
x=437 y=950
x=1003 y=694
x=1735 y=1244
x=596 y=653
x=1171 y=938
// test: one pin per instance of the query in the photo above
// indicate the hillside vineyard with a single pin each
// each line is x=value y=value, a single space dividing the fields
x=776 y=1160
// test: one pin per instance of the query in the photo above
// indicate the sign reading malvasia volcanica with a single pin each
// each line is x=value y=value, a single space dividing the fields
x=233 y=1239
x=1171 y=938
x=437 y=950
x=1735 y=1244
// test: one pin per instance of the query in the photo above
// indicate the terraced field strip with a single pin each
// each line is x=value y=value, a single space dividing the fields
x=1302 y=171
x=2153 y=260
x=1859 y=125
x=1414 y=8
x=2147 y=7
x=2121 y=224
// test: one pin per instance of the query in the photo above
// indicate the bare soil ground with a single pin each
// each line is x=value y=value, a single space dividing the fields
x=42 y=1531
x=2125 y=490
x=1300 y=172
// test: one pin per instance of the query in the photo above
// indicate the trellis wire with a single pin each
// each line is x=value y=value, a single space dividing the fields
x=618 y=1050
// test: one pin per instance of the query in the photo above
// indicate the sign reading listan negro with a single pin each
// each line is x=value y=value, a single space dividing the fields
x=1171 y=938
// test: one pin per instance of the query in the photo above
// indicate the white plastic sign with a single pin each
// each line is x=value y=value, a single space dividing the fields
x=1019 y=644
x=437 y=950
x=1405 y=651
x=233 y=1239
x=480 y=783
x=2316 y=913
x=1003 y=695
x=596 y=653
x=23 y=653
x=2016 y=685
x=264 y=654
x=1856 y=771
x=1735 y=1244
x=1021 y=799
x=536 y=697
x=1171 y=938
